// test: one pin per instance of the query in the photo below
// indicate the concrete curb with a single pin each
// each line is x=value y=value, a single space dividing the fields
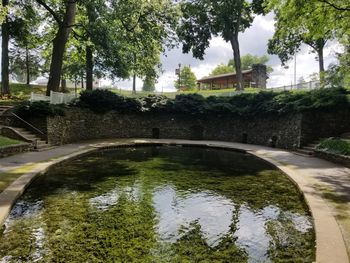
x=330 y=243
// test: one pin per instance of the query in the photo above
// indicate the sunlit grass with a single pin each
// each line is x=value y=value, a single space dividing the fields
x=4 y=141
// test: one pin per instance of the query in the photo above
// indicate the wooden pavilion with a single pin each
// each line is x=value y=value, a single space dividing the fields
x=255 y=78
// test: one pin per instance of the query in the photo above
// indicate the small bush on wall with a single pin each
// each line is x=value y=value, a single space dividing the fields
x=38 y=109
x=102 y=101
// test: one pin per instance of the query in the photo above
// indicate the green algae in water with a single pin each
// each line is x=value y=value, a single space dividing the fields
x=160 y=204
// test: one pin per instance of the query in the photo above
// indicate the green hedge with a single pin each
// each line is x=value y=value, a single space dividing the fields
x=102 y=101
x=245 y=104
x=39 y=109
x=242 y=105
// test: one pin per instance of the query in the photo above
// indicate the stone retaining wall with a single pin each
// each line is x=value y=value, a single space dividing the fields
x=286 y=132
x=322 y=124
x=79 y=125
x=334 y=158
x=14 y=149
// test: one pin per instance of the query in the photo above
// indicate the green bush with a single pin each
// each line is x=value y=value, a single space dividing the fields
x=241 y=105
x=188 y=104
x=99 y=101
x=335 y=145
x=102 y=101
x=38 y=109
x=153 y=103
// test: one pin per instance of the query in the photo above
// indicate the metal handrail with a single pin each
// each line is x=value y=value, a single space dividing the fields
x=27 y=123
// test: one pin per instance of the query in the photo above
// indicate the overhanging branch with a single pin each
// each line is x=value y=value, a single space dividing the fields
x=50 y=10
x=339 y=8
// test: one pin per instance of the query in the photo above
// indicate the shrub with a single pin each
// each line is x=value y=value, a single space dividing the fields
x=153 y=103
x=242 y=105
x=38 y=109
x=188 y=104
x=99 y=100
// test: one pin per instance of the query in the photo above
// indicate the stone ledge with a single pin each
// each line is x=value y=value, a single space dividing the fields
x=336 y=158
x=14 y=149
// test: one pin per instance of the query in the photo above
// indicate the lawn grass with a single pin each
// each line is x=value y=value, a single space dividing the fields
x=335 y=146
x=20 y=92
x=4 y=141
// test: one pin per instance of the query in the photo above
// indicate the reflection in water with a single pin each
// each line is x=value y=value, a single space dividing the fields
x=180 y=204
x=212 y=212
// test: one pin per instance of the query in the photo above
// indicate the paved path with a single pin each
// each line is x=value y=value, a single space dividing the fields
x=326 y=186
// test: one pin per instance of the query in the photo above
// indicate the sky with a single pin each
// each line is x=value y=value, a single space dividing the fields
x=253 y=41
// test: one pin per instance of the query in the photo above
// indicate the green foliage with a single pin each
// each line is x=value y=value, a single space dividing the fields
x=149 y=84
x=38 y=108
x=4 y=141
x=335 y=145
x=188 y=104
x=153 y=103
x=188 y=80
x=222 y=69
x=247 y=61
x=241 y=105
x=3 y=12
x=102 y=101
x=203 y=19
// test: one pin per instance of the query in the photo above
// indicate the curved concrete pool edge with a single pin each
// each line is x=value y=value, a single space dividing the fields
x=331 y=246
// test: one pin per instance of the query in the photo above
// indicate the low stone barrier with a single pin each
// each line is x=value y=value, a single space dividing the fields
x=334 y=158
x=14 y=149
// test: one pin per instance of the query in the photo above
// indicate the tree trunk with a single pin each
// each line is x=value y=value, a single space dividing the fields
x=59 y=46
x=134 y=84
x=5 y=80
x=82 y=82
x=321 y=60
x=63 y=85
x=237 y=59
x=89 y=68
x=27 y=66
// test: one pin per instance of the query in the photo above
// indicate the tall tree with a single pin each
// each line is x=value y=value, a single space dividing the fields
x=5 y=38
x=287 y=41
x=149 y=84
x=65 y=25
x=25 y=60
x=204 y=18
x=312 y=22
x=187 y=80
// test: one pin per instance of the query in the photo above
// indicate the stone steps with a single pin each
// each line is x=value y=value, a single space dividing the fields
x=3 y=109
x=39 y=144
x=305 y=152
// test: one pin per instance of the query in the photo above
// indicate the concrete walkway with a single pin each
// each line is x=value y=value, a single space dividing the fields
x=326 y=186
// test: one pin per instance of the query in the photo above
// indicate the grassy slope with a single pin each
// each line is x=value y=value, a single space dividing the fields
x=20 y=92
x=6 y=141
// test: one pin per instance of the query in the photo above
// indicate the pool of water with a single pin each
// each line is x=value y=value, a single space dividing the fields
x=160 y=204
